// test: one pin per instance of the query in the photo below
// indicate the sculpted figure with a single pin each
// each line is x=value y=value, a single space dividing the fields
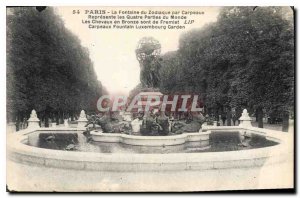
x=163 y=122
x=108 y=124
x=192 y=124
x=147 y=51
x=149 y=125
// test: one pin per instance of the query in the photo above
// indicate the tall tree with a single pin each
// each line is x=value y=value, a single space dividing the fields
x=47 y=68
x=245 y=59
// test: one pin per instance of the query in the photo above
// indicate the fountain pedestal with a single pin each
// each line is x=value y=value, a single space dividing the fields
x=33 y=121
x=245 y=119
x=66 y=124
x=82 y=121
x=147 y=95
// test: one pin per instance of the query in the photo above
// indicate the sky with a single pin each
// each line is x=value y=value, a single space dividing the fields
x=113 y=51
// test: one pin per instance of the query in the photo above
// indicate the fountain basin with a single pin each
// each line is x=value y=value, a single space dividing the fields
x=20 y=152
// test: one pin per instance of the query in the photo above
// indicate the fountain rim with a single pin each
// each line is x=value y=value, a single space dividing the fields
x=150 y=141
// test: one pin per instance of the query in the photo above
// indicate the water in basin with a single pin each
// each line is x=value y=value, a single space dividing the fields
x=218 y=142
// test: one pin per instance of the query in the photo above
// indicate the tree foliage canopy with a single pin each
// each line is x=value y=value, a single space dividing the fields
x=47 y=68
x=245 y=59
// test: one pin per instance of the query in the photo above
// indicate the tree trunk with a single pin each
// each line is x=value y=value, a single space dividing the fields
x=285 y=121
x=61 y=118
x=18 y=121
x=47 y=118
x=260 y=116
x=256 y=117
x=228 y=121
x=72 y=116
x=57 y=118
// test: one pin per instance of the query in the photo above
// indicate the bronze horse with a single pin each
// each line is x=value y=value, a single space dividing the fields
x=108 y=124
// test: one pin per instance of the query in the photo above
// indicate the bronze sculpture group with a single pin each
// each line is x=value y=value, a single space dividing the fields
x=152 y=124
x=147 y=53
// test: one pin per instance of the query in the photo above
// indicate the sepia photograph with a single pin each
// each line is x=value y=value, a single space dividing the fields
x=150 y=98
